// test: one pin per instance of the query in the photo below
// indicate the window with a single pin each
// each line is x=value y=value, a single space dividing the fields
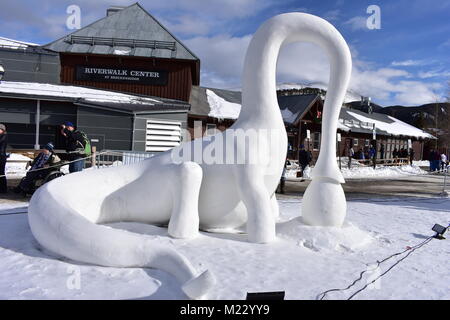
x=355 y=142
x=367 y=143
x=316 y=140
x=162 y=135
x=211 y=129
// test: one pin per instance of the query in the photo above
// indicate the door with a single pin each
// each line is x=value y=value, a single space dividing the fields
x=97 y=140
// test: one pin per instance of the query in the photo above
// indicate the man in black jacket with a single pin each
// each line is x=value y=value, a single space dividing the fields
x=3 y=144
x=74 y=146
x=304 y=158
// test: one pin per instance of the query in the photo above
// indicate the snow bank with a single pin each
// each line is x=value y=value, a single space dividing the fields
x=381 y=172
x=220 y=108
x=16 y=170
x=421 y=163
x=359 y=171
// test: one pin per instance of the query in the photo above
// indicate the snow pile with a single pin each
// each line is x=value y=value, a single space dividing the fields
x=421 y=163
x=220 y=108
x=359 y=171
x=16 y=170
x=347 y=238
x=396 y=127
x=94 y=95
x=381 y=172
x=18 y=157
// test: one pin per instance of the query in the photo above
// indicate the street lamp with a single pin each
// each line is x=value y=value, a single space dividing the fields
x=2 y=72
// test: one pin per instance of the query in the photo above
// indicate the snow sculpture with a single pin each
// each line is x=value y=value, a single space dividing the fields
x=178 y=189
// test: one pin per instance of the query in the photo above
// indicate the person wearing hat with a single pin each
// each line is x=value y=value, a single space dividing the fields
x=3 y=157
x=75 y=144
x=46 y=158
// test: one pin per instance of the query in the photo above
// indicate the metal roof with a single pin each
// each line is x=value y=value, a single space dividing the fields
x=351 y=120
x=296 y=106
x=131 y=31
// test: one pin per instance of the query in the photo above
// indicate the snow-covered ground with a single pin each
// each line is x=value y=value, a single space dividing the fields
x=304 y=261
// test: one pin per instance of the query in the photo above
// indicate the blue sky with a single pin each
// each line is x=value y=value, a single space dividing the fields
x=405 y=62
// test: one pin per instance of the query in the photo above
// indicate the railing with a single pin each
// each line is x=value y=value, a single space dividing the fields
x=385 y=162
x=117 y=42
x=107 y=158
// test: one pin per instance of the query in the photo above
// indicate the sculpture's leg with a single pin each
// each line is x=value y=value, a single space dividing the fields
x=260 y=219
x=324 y=203
x=184 y=221
x=275 y=207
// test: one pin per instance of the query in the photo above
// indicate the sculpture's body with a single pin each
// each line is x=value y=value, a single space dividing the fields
x=64 y=215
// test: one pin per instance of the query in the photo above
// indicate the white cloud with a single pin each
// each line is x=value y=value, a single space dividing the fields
x=357 y=23
x=332 y=15
x=433 y=74
x=187 y=25
x=223 y=56
x=409 y=63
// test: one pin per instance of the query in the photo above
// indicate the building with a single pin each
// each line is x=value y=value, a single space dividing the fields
x=112 y=120
x=358 y=126
x=213 y=108
x=125 y=80
x=28 y=62
x=129 y=51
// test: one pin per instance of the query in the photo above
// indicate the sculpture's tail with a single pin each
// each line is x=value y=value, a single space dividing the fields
x=63 y=231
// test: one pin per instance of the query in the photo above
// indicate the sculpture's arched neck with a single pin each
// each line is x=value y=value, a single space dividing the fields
x=259 y=97
x=259 y=100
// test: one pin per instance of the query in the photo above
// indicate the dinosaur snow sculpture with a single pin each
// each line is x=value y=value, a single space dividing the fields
x=178 y=189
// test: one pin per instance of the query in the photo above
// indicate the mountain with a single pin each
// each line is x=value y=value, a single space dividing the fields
x=423 y=116
x=349 y=96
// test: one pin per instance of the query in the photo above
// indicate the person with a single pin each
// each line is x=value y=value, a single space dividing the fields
x=361 y=154
x=283 y=177
x=443 y=162
x=372 y=155
x=411 y=155
x=430 y=158
x=395 y=155
x=46 y=158
x=3 y=157
x=304 y=159
x=382 y=151
x=351 y=154
x=75 y=144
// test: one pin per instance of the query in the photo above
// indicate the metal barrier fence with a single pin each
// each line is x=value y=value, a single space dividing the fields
x=107 y=158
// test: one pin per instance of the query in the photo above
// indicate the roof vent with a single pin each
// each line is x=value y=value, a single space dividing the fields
x=113 y=9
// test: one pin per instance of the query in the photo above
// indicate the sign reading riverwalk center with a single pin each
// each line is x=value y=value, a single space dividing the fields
x=138 y=76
